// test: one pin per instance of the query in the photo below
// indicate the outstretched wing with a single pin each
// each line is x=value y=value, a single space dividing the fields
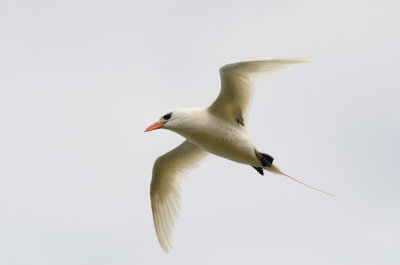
x=168 y=174
x=236 y=93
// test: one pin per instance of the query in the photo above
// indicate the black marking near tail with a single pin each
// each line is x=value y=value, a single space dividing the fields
x=265 y=159
x=259 y=170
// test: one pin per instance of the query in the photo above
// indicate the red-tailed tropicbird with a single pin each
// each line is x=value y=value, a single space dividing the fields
x=219 y=129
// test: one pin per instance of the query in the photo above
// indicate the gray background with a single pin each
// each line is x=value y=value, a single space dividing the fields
x=81 y=80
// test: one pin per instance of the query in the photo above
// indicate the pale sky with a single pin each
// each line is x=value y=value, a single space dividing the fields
x=81 y=80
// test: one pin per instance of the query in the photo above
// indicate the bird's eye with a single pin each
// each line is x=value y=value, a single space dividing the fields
x=167 y=116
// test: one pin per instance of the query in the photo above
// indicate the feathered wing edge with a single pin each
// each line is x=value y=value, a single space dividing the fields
x=234 y=99
x=169 y=171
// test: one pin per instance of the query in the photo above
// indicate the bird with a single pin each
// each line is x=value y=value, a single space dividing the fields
x=219 y=129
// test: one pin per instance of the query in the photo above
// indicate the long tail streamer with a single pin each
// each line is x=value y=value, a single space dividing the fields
x=308 y=185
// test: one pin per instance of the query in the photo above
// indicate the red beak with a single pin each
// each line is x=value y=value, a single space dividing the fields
x=155 y=126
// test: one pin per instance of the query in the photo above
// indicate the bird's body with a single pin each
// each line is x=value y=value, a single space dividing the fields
x=210 y=132
x=219 y=129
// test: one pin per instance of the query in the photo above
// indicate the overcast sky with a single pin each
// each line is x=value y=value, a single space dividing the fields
x=81 y=80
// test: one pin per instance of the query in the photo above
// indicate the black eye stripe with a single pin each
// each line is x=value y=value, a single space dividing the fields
x=167 y=116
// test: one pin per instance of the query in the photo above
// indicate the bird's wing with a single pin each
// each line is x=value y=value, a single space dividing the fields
x=168 y=174
x=234 y=99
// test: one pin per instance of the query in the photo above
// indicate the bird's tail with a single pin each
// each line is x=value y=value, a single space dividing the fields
x=274 y=169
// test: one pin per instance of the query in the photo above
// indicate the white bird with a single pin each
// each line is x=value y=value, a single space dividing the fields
x=219 y=129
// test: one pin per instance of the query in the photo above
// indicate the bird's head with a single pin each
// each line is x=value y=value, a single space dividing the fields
x=179 y=120
x=169 y=120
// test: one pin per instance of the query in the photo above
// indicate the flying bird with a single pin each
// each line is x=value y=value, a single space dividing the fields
x=219 y=129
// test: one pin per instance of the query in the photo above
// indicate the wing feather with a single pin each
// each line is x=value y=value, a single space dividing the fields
x=168 y=174
x=237 y=89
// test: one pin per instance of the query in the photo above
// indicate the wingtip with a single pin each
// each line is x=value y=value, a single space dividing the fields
x=294 y=60
x=297 y=60
x=305 y=60
x=165 y=250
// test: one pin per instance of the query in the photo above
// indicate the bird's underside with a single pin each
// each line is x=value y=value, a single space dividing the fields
x=232 y=109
